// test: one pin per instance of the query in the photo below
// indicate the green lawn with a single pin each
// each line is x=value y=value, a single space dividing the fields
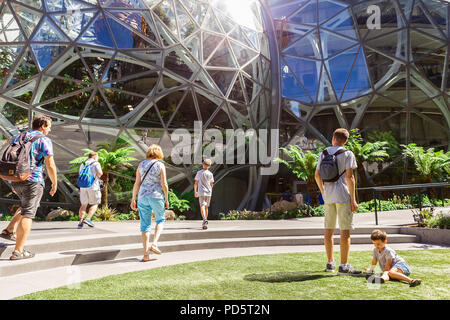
x=283 y=276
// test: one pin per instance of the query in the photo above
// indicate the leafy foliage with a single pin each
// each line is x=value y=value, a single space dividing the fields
x=423 y=217
x=176 y=204
x=303 y=165
x=267 y=214
x=112 y=145
x=366 y=151
x=430 y=165
x=441 y=221
x=105 y=213
x=109 y=161
x=394 y=149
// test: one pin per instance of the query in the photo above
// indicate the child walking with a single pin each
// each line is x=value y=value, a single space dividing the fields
x=393 y=266
x=204 y=181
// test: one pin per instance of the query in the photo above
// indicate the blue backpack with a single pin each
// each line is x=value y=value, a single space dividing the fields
x=86 y=178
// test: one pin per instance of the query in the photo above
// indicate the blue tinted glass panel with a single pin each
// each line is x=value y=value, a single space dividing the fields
x=283 y=9
x=332 y=44
x=342 y=24
x=72 y=24
x=307 y=15
x=47 y=32
x=305 y=47
x=125 y=38
x=307 y=71
x=290 y=87
x=45 y=53
x=359 y=82
x=328 y=9
x=340 y=67
x=97 y=34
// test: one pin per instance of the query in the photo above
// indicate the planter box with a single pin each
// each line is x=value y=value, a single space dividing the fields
x=429 y=235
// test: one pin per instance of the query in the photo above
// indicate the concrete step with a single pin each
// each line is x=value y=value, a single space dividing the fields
x=51 y=260
x=84 y=240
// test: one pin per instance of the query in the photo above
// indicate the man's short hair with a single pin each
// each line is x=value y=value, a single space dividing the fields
x=155 y=152
x=40 y=121
x=92 y=154
x=341 y=135
x=378 y=234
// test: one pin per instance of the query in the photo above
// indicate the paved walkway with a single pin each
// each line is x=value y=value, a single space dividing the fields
x=22 y=284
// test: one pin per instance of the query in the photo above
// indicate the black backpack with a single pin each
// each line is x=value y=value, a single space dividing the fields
x=15 y=162
x=329 y=169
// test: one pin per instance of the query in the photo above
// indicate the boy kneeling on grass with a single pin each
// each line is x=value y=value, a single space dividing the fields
x=393 y=266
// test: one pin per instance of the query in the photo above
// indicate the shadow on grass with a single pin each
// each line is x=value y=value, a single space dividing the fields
x=288 y=276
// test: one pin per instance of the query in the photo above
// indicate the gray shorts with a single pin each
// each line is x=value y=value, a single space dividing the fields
x=30 y=194
x=89 y=196
x=204 y=201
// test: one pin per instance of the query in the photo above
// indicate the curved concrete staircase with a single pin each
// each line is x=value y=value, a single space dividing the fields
x=63 y=245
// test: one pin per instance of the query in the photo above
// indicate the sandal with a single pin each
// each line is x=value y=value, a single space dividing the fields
x=8 y=235
x=16 y=255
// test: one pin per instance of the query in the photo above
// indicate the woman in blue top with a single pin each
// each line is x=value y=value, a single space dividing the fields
x=152 y=193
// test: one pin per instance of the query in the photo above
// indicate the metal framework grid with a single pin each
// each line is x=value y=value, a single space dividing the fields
x=338 y=67
x=132 y=68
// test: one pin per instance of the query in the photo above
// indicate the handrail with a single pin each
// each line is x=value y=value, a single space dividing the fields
x=376 y=189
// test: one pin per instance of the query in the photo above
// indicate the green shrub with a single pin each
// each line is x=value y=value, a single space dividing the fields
x=423 y=217
x=127 y=216
x=190 y=197
x=266 y=214
x=5 y=217
x=176 y=204
x=105 y=213
x=441 y=222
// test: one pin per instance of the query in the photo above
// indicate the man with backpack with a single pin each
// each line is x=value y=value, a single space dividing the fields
x=334 y=176
x=89 y=183
x=22 y=165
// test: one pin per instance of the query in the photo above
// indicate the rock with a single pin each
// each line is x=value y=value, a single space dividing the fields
x=284 y=206
x=169 y=215
x=58 y=213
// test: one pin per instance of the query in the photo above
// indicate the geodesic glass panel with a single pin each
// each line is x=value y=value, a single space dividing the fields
x=349 y=60
x=142 y=68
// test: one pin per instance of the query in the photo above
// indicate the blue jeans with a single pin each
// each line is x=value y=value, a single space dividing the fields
x=145 y=207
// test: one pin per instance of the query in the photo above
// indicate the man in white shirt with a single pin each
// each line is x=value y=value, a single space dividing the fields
x=340 y=200
x=90 y=196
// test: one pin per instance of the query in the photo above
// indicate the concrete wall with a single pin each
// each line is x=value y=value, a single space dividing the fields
x=428 y=235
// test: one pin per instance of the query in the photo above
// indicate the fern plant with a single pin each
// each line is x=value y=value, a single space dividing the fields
x=430 y=165
x=366 y=152
x=303 y=165
x=109 y=161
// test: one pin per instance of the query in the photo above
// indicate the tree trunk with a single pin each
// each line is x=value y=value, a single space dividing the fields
x=105 y=179
x=362 y=174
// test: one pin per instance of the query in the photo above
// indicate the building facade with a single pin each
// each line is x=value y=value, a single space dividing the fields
x=140 y=69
